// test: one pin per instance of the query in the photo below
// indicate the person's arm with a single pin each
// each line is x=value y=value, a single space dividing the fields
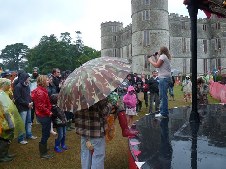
x=157 y=64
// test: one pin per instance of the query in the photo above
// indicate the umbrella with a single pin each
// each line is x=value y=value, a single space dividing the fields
x=175 y=72
x=92 y=82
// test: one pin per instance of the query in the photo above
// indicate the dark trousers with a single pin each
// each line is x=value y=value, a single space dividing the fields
x=146 y=98
x=46 y=126
x=154 y=97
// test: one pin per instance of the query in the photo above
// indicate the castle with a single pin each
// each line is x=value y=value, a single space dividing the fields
x=152 y=27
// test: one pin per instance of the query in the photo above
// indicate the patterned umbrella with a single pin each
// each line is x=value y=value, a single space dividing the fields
x=92 y=82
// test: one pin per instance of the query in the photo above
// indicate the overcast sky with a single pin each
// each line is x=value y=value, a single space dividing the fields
x=26 y=21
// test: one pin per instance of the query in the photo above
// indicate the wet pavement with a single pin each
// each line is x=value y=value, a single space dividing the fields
x=175 y=143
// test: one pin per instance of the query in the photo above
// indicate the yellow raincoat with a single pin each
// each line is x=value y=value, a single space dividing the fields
x=10 y=119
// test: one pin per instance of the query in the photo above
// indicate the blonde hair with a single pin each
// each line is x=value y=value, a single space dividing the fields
x=41 y=80
x=165 y=50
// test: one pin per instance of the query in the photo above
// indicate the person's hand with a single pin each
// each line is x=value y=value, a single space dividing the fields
x=50 y=115
x=30 y=105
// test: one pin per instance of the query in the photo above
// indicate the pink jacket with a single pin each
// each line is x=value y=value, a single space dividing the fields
x=130 y=100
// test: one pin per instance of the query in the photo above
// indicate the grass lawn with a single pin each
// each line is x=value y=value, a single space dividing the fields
x=116 y=150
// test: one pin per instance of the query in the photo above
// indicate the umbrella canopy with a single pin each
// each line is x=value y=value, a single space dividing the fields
x=92 y=82
x=175 y=72
x=217 y=7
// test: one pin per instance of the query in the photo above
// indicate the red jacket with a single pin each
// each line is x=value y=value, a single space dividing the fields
x=41 y=101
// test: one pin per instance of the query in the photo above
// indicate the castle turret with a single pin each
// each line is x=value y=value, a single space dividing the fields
x=150 y=30
x=110 y=39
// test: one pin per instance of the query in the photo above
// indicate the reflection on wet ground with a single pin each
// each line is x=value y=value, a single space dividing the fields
x=175 y=143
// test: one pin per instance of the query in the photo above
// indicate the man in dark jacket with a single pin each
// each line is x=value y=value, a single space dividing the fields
x=154 y=91
x=24 y=104
x=56 y=78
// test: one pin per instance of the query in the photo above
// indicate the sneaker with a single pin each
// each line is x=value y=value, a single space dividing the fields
x=160 y=116
x=33 y=137
x=23 y=142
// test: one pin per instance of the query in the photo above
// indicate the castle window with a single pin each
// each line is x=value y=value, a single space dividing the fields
x=114 y=29
x=218 y=45
x=204 y=27
x=205 y=65
x=114 y=52
x=184 y=66
x=115 y=38
x=146 y=38
x=146 y=15
x=217 y=25
x=146 y=2
x=183 y=25
x=205 y=46
x=183 y=45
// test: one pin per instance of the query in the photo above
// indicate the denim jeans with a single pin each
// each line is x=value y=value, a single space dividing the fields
x=26 y=117
x=61 y=132
x=46 y=126
x=95 y=160
x=163 y=88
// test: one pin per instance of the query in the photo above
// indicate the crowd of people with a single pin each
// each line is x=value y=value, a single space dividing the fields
x=35 y=96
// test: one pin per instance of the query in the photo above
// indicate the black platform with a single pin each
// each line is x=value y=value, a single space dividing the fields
x=175 y=143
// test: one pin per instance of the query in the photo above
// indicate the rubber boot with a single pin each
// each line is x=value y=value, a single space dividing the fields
x=126 y=132
x=57 y=147
x=43 y=151
x=7 y=152
x=3 y=152
x=63 y=145
x=68 y=126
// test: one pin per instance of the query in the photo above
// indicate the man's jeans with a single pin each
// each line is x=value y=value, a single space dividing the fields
x=26 y=117
x=163 y=89
x=95 y=160
x=46 y=126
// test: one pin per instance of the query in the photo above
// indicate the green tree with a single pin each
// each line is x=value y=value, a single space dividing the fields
x=14 y=56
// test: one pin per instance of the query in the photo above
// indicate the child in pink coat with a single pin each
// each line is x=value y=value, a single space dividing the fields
x=130 y=101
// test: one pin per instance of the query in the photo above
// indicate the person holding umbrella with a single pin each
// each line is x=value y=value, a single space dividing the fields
x=85 y=93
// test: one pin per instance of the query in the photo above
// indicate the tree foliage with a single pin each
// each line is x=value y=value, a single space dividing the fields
x=51 y=53
x=14 y=56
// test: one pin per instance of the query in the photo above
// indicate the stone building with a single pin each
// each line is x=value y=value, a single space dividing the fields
x=152 y=26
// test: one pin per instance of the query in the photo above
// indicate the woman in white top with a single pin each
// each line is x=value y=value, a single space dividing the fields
x=164 y=74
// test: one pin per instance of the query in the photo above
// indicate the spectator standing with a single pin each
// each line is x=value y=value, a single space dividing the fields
x=90 y=125
x=202 y=91
x=187 y=88
x=164 y=74
x=43 y=112
x=33 y=85
x=10 y=121
x=59 y=121
x=56 y=78
x=171 y=86
x=24 y=105
x=137 y=83
x=130 y=100
x=153 y=83
x=122 y=89
x=145 y=88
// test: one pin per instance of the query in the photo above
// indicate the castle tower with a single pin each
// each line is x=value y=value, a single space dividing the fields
x=150 y=30
x=110 y=38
